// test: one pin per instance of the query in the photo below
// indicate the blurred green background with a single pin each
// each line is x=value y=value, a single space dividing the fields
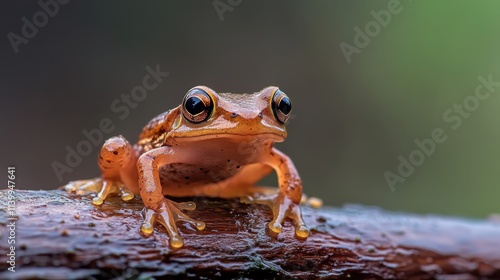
x=352 y=120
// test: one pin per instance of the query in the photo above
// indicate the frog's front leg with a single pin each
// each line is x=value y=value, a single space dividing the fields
x=118 y=174
x=286 y=203
x=158 y=208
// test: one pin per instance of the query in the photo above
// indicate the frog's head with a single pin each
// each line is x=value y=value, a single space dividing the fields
x=205 y=114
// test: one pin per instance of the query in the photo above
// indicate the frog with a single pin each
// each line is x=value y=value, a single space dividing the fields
x=211 y=145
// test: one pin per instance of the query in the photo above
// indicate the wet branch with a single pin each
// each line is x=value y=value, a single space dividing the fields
x=58 y=235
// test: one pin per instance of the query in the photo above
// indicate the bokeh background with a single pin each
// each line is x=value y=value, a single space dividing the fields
x=352 y=120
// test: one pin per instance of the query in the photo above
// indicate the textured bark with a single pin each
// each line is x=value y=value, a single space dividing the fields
x=59 y=236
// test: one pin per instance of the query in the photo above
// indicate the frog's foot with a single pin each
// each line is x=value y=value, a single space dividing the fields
x=312 y=201
x=168 y=214
x=83 y=187
x=282 y=207
x=103 y=188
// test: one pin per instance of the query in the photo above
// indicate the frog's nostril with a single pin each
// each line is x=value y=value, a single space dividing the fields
x=249 y=114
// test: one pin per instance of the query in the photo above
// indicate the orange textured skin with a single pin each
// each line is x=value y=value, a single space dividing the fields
x=222 y=156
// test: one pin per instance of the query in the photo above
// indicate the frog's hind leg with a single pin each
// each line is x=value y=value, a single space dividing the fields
x=117 y=161
x=239 y=185
x=242 y=185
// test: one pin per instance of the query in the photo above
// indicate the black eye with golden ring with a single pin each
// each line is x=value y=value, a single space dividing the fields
x=197 y=106
x=282 y=106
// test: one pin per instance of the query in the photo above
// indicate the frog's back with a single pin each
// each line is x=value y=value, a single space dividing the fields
x=153 y=134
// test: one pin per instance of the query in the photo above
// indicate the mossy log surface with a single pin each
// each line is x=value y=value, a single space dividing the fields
x=61 y=236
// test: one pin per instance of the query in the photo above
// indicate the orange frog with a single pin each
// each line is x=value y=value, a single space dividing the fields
x=215 y=145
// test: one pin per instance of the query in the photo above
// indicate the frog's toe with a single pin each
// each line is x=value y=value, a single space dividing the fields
x=247 y=200
x=190 y=205
x=112 y=188
x=126 y=194
x=301 y=229
x=283 y=207
x=312 y=201
x=107 y=188
x=103 y=188
x=185 y=218
x=279 y=215
x=149 y=220
x=168 y=214
x=83 y=187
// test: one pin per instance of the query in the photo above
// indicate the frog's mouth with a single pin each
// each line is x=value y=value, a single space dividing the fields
x=237 y=137
x=220 y=128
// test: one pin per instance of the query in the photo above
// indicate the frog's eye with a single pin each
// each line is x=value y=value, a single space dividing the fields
x=282 y=106
x=197 y=106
